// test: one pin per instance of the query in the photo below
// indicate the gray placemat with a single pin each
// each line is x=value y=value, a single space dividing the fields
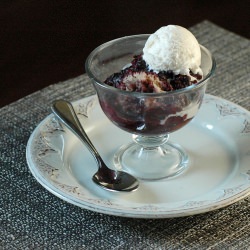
x=33 y=218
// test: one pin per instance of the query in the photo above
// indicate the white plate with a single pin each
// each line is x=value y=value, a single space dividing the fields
x=217 y=141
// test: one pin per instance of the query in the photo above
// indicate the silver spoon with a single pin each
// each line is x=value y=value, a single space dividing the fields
x=105 y=177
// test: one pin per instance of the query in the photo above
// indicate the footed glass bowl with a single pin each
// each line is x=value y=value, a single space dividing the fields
x=149 y=117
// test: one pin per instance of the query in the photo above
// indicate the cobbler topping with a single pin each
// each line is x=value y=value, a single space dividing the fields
x=137 y=77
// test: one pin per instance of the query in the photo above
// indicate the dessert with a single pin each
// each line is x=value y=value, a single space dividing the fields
x=169 y=61
x=151 y=86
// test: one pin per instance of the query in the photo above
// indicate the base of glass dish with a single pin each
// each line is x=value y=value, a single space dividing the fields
x=151 y=162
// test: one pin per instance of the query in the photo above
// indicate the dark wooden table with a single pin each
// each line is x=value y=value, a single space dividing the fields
x=47 y=41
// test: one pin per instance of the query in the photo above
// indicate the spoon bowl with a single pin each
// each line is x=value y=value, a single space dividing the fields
x=105 y=177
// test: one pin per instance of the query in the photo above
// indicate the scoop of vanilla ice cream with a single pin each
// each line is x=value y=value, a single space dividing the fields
x=173 y=48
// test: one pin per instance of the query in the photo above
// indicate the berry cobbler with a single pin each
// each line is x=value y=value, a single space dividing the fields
x=137 y=77
x=169 y=62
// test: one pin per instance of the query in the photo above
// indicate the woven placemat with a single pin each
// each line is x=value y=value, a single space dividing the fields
x=33 y=218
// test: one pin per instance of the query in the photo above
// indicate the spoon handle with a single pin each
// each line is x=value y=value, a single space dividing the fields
x=65 y=112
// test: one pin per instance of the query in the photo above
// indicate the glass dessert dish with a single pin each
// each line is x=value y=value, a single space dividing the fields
x=149 y=117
